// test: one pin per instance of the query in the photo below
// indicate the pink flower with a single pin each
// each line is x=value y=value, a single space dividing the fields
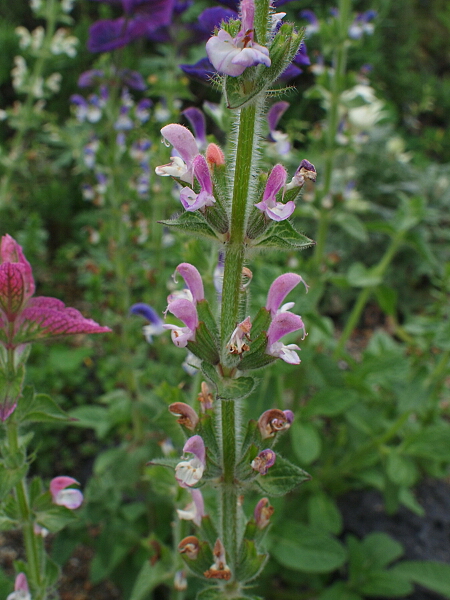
x=264 y=461
x=63 y=495
x=277 y=211
x=195 y=510
x=24 y=319
x=282 y=324
x=21 y=590
x=189 y=199
x=185 y=145
x=189 y=472
x=279 y=289
x=231 y=56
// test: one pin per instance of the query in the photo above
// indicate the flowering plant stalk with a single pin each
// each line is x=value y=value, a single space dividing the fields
x=25 y=318
x=230 y=200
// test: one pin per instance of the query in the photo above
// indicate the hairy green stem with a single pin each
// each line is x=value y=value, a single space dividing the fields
x=229 y=516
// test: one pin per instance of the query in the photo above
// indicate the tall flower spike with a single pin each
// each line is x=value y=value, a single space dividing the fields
x=189 y=472
x=282 y=324
x=277 y=211
x=280 y=288
x=184 y=143
x=63 y=495
x=231 y=56
x=189 y=199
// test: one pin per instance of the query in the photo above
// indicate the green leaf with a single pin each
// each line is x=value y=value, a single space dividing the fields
x=9 y=478
x=401 y=470
x=44 y=409
x=386 y=584
x=323 y=513
x=432 y=575
x=149 y=577
x=387 y=299
x=56 y=518
x=359 y=276
x=283 y=235
x=432 y=442
x=303 y=548
x=236 y=389
x=351 y=225
x=250 y=562
x=94 y=417
x=339 y=591
x=330 y=402
x=305 y=441
x=191 y=222
x=282 y=478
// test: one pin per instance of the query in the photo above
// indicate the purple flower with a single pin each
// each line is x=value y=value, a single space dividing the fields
x=306 y=170
x=264 y=461
x=211 y=18
x=141 y=111
x=63 y=495
x=189 y=199
x=202 y=70
x=231 y=56
x=281 y=139
x=277 y=211
x=313 y=22
x=274 y=420
x=156 y=325
x=90 y=78
x=143 y=19
x=362 y=25
x=262 y=513
x=193 y=280
x=185 y=145
x=189 y=472
x=198 y=123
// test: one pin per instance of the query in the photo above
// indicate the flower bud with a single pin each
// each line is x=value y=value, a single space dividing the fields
x=264 y=461
x=185 y=413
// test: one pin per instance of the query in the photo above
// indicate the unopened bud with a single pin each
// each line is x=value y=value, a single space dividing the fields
x=220 y=569
x=185 y=413
x=189 y=546
x=214 y=155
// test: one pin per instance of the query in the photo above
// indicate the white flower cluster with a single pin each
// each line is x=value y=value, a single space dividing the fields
x=63 y=43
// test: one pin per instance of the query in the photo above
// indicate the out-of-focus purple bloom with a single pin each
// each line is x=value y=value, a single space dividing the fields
x=277 y=211
x=313 y=22
x=124 y=121
x=211 y=18
x=132 y=79
x=143 y=19
x=189 y=199
x=281 y=140
x=142 y=110
x=189 y=472
x=202 y=70
x=198 y=123
x=264 y=461
x=90 y=78
x=362 y=25
x=156 y=324
x=231 y=56
x=63 y=495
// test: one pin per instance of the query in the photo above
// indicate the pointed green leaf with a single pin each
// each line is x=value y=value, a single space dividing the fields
x=250 y=562
x=283 y=235
x=282 y=478
x=432 y=575
x=191 y=222
x=9 y=478
x=44 y=409
x=236 y=389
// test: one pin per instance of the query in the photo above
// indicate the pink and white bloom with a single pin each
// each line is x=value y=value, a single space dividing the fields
x=186 y=147
x=21 y=590
x=240 y=337
x=189 y=472
x=306 y=170
x=195 y=510
x=231 y=56
x=262 y=513
x=282 y=324
x=277 y=211
x=189 y=199
x=278 y=291
x=63 y=495
x=185 y=311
